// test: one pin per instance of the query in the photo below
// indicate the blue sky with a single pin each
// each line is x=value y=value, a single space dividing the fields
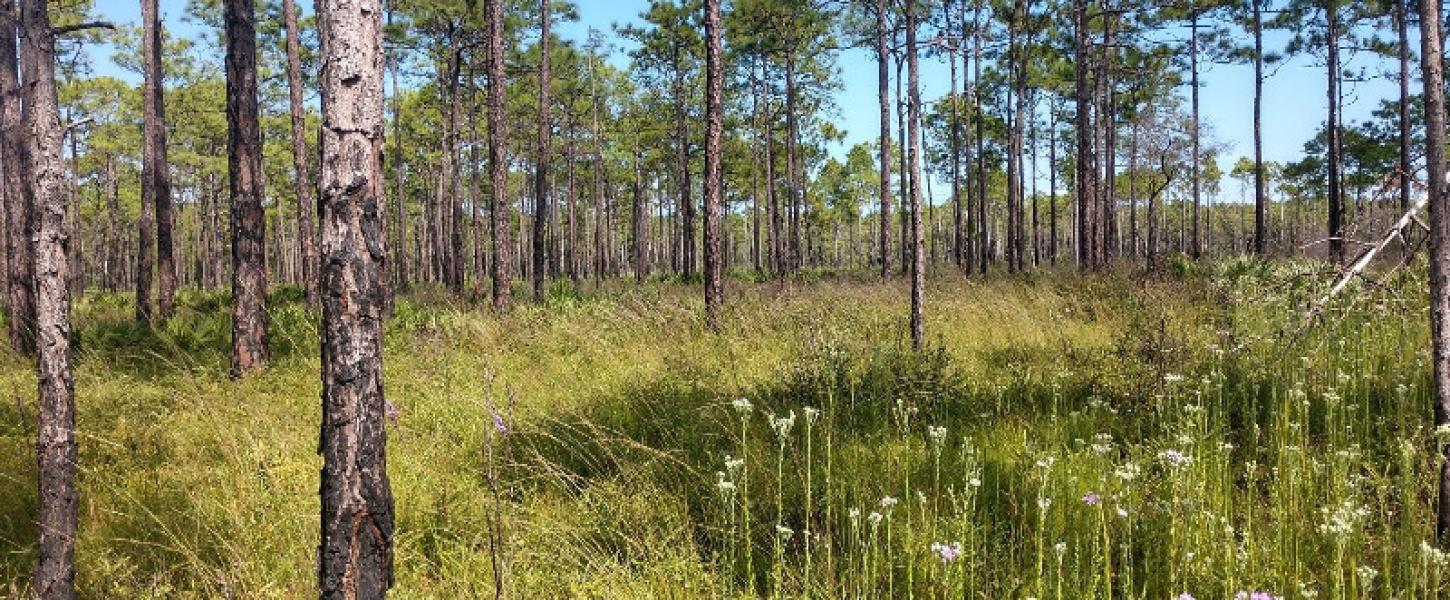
x=1294 y=104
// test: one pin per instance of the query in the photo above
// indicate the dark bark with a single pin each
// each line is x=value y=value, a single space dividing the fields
x=918 y=269
x=686 y=206
x=1083 y=179
x=1260 y=201
x=1432 y=67
x=498 y=157
x=641 y=265
x=1196 y=247
x=45 y=173
x=156 y=172
x=306 y=237
x=883 y=77
x=714 y=130
x=956 y=152
x=19 y=200
x=356 y=553
x=541 y=162
x=1052 y=187
x=244 y=163
x=1335 y=191
x=1402 y=29
x=793 y=190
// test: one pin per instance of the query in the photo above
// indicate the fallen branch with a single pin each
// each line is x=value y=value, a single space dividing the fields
x=1367 y=256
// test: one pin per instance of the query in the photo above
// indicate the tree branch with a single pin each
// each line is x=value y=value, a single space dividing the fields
x=81 y=27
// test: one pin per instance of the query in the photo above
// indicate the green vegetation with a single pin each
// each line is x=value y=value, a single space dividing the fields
x=1099 y=437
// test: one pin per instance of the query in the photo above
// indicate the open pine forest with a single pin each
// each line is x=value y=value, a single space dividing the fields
x=1035 y=299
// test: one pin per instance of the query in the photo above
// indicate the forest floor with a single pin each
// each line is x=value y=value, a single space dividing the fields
x=1062 y=437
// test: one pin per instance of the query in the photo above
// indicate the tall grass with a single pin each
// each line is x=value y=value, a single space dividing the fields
x=1062 y=437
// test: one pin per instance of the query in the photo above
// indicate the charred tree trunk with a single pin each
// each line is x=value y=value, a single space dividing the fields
x=306 y=238
x=244 y=163
x=19 y=199
x=714 y=130
x=45 y=170
x=1335 y=189
x=356 y=554
x=541 y=164
x=1083 y=179
x=498 y=158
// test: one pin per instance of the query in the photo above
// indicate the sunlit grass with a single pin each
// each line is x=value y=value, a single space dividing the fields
x=1062 y=437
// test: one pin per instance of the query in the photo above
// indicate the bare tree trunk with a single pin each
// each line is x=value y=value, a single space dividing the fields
x=1052 y=187
x=601 y=219
x=1336 y=194
x=1083 y=180
x=45 y=168
x=452 y=211
x=1432 y=67
x=399 y=239
x=1402 y=28
x=306 y=238
x=541 y=164
x=1196 y=248
x=714 y=130
x=498 y=157
x=792 y=172
x=19 y=200
x=883 y=78
x=686 y=208
x=918 y=271
x=955 y=137
x=249 y=274
x=475 y=195
x=156 y=181
x=755 y=121
x=1260 y=201
x=641 y=266
x=356 y=554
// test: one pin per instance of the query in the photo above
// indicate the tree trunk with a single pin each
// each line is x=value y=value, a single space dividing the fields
x=356 y=553
x=498 y=157
x=1052 y=187
x=1196 y=248
x=1260 y=202
x=955 y=137
x=1402 y=28
x=714 y=130
x=306 y=238
x=1336 y=194
x=918 y=271
x=452 y=211
x=883 y=77
x=792 y=173
x=156 y=180
x=1432 y=67
x=19 y=198
x=541 y=164
x=399 y=239
x=244 y=145
x=641 y=266
x=44 y=168
x=1083 y=178
x=686 y=208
